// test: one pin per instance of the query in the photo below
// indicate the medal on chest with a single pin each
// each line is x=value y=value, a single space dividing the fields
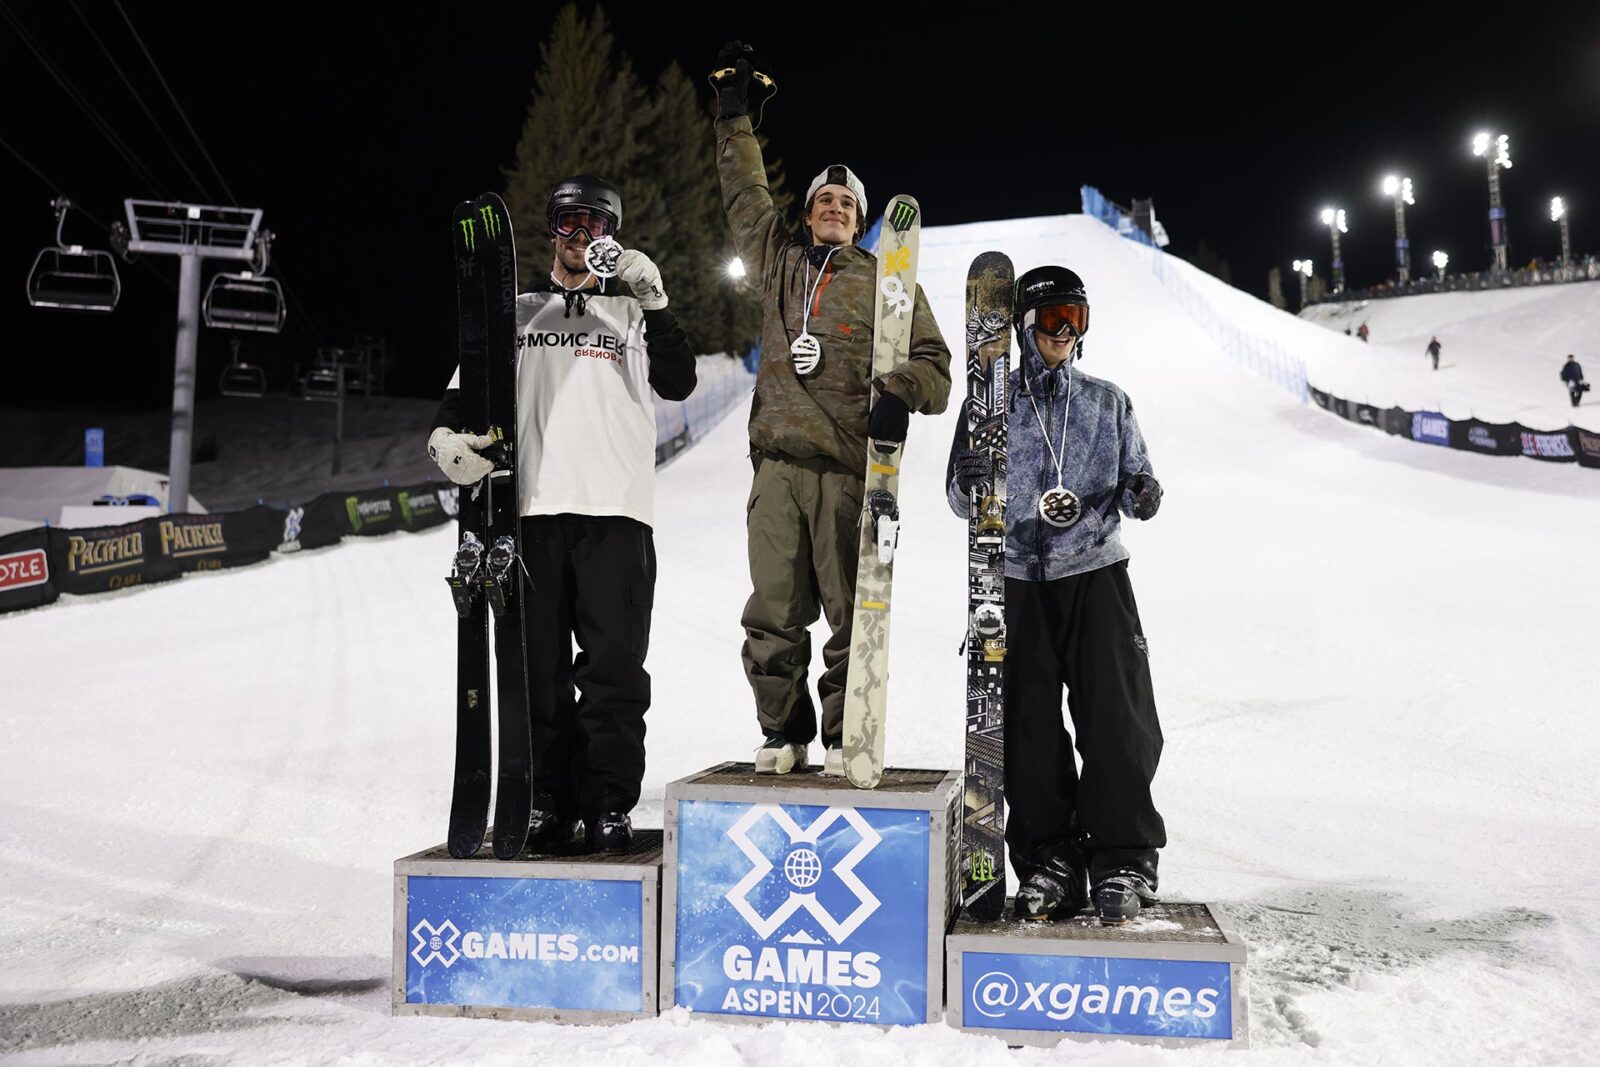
x=1060 y=507
x=807 y=353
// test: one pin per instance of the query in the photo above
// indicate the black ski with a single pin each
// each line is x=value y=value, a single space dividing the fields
x=504 y=578
x=983 y=843
x=469 y=797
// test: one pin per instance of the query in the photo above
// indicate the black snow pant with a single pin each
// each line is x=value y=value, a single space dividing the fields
x=1575 y=391
x=593 y=582
x=1081 y=632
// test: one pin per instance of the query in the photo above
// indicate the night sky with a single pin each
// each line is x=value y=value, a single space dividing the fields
x=357 y=132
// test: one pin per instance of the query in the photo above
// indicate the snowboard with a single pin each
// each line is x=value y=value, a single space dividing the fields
x=990 y=285
x=866 y=685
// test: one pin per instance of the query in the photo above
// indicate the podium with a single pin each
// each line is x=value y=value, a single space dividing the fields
x=799 y=896
x=1170 y=977
x=557 y=938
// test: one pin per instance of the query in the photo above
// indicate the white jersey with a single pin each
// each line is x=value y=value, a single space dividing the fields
x=586 y=423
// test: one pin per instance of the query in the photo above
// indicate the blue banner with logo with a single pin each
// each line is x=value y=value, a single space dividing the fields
x=576 y=944
x=1430 y=427
x=800 y=911
x=1097 y=995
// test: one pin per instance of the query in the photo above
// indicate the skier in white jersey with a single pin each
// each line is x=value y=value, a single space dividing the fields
x=590 y=353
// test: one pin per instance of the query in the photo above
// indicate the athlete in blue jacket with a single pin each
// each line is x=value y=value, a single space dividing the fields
x=1075 y=458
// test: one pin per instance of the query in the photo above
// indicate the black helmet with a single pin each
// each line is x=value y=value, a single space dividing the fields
x=585 y=190
x=1048 y=285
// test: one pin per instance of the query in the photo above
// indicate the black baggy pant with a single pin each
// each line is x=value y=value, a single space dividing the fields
x=1081 y=632
x=592 y=581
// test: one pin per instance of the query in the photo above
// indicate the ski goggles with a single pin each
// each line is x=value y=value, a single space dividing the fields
x=569 y=221
x=1056 y=319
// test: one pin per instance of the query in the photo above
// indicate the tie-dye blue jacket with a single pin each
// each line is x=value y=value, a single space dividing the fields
x=1104 y=449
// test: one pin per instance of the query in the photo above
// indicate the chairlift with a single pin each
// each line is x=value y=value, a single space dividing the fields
x=244 y=301
x=322 y=383
x=71 y=277
x=242 y=379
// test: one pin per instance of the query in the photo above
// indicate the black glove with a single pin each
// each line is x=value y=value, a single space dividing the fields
x=1146 y=496
x=972 y=469
x=733 y=88
x=889 y=419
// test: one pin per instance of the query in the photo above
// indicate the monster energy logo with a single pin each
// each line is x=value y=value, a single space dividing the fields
x=901 y=216
x=469 y=228
x=982 y=869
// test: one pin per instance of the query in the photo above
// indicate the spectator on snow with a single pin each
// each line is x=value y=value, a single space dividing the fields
x=1572 y=374
x=1361 y=331
x=1433 y=351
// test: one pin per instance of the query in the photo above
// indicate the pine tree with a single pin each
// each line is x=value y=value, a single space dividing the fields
x=589 y=114
x=585 y=117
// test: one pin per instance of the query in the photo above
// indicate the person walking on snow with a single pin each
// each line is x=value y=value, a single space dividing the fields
x=1075 y=458
x=590 y=354
x=1433 y=352
x=809 y=424
x=1572 y=374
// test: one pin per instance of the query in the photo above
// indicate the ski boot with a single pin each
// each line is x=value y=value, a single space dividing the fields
x=1056 y=887
x=611 y=833
x=779 y=755
x=1119 y=894
x=549 y=833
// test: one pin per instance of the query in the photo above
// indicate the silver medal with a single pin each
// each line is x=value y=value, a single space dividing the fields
x=807 y=353
x=1060 y=507
x=601 y=257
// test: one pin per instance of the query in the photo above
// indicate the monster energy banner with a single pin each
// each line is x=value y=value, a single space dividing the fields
x=1469 y=435
x=422 y=506
x=370 y=512
x=25 y=575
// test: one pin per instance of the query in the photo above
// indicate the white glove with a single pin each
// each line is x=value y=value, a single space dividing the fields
x=641 y=276
x=456 y=454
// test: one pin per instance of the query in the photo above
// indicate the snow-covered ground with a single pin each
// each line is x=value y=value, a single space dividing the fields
x=1371 y=658
x=1500 y=358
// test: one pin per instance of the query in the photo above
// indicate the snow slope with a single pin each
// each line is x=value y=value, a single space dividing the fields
x=1500 y=359
x=1379 y=760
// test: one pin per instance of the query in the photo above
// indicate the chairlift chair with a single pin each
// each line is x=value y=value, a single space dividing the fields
x=321 y=383
x=244 y=301
x=242 y=379
x=71 y=277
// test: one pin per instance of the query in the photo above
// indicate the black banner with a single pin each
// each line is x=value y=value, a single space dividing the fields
x=104 y=558
x=225 y=539
x=26 y=578
x=1552 y=447
x=1366 y=415
x=1491 y=438
x=318 y=524
x=420 y=506
x=1323 y=400
x=1397 y=421
x=1588 y=445
x=372 y=512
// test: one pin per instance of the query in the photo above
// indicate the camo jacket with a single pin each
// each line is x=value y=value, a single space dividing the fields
x=825 y=414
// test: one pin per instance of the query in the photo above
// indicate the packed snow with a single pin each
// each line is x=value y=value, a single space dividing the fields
x=1371 y=658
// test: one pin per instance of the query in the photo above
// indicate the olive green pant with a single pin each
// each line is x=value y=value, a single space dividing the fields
x=804 y=527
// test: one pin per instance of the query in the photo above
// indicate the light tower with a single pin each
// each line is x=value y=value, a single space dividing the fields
x=1302 y=267
x=1400 y=190
x=1440 y=262
x=1496 y=150
x=1333 y=219
x=1558 y=213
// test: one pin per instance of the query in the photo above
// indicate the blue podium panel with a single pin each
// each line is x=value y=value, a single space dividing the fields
x=800 y=897
x=568 y=938
x=1170 y=977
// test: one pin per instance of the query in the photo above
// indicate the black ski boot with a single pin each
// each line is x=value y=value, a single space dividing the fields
x=1119 y=894
x=1055 y=887
x=612 y=832
x=549 y=833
